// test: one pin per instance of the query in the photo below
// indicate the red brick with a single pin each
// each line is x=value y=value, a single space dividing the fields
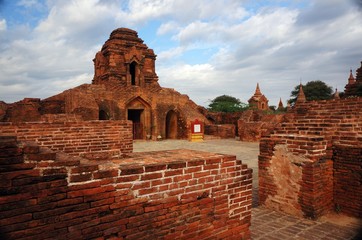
x=98 y=196
x=154 y=208
x=16 y=219
x=193 y=169
x=81 y=177
x=193 y=163
x=173 y=172
x=175 y=165
x=154 y=168
x=129 y=170
x=84 y=169
x=105 y=174
x=182 y=178
x=211 y=166
x=151 y=176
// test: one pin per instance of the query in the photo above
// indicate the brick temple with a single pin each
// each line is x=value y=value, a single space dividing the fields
x=258 y=100
x=125 y=87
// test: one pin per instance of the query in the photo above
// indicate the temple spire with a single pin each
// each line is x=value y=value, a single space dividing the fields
x=280 y=105
x=301 y=96
x=257 y=90
x=351 y=79
x=336 y=94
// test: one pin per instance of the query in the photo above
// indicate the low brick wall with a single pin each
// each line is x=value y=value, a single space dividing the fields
x=253 y=125
x=221 y=130
x=180 y=194
x=75 y=138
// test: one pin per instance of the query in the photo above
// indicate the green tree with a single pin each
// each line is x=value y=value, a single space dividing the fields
x=359 y=90
x=226 y=103
x=313 y=90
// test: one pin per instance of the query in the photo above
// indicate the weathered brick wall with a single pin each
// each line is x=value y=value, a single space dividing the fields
x=347 y=161
x=304 y=147
x=180 y=194
x=221 y=130
x=220 y=118
x=316 y=191
x=252 y=125
x=75 y=138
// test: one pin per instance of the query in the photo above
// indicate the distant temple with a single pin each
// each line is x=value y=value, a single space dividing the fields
x=354 y=85
x=258 y=100
x=301 y=96
x=280 y=105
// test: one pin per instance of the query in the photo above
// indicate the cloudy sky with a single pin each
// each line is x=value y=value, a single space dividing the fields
x=205 y=48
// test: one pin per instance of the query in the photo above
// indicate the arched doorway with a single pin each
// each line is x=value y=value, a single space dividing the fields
x=103 y=115
x=171 y=125
x=135 y=116
x=139 y=112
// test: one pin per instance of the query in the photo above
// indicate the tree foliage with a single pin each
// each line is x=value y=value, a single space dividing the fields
x=313 y=90
x=359 y=90
x=226 y=103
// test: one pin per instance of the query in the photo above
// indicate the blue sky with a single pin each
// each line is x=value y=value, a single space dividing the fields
x=205 y=48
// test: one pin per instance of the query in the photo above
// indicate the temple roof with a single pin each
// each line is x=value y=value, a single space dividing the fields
x=351 y=79
x=280 y=105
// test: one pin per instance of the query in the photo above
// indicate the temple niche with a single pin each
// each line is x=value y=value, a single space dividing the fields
x=124 y=87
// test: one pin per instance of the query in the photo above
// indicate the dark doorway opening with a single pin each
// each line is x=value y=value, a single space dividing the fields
x=135 y=116
x=103 y=115
x=132 y=71
x=171 y=125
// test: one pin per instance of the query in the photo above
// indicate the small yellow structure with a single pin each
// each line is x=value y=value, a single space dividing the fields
x=197 y=131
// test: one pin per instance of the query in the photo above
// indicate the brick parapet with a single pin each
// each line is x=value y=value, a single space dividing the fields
x=179 y=194
x=75 y=138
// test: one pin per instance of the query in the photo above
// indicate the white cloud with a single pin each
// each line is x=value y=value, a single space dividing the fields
x=2 y=25
x=83 y=21
x=168 y=27
x=170 y=54
x=199 y=31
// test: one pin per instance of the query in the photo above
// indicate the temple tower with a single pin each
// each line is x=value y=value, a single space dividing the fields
x=125 y=60
x=301 y=96
x=280 y=105
x=258 y=100
x=354 y=85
